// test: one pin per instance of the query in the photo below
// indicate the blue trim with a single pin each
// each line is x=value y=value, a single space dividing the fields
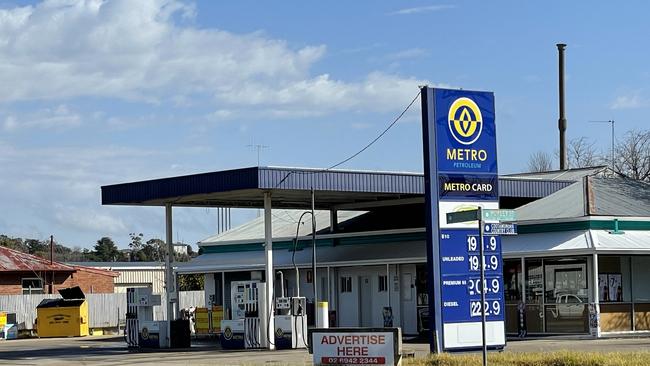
x=168 y=188
x=353 y=183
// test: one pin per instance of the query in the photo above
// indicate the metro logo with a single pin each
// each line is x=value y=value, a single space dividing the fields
x=465 y=121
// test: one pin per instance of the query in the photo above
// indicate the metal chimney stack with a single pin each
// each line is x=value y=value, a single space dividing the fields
x=562 y=120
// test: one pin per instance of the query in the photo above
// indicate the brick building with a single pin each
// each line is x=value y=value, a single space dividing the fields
x=22 y=273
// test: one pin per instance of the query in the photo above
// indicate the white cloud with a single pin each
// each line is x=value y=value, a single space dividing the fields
x=378 y=91
x=630 y=101
x=408 y=54
x=422 y=9
x=139 y=50
x=57 y=118
x=57 y=189
x=90 y=220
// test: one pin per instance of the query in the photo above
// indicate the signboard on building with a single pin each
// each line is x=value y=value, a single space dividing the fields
x=460 y=157
x=355 y=346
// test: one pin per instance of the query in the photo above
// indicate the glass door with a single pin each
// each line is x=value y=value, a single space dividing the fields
x=512 y=282
x=534 y=296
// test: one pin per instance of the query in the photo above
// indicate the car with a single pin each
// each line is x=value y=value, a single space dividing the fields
x=568 y=306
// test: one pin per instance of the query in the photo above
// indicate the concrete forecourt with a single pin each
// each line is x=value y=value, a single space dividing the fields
x=110 y=350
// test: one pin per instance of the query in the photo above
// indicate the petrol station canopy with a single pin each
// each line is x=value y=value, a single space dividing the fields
x=291 y=188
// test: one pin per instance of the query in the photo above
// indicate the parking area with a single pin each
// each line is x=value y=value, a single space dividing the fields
x=111 y=350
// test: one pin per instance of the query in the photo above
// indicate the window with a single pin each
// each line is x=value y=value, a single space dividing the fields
x=32 y=286
x=346 y=284
x=383 y=283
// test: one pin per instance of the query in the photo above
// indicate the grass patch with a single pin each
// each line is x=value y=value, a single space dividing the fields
x=563 y=358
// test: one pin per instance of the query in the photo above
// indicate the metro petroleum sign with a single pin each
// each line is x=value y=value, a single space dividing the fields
x=460 y=170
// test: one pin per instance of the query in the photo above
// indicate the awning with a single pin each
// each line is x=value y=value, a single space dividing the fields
x=547 y=244
x=337 y=256
x=631 y=241
x=576 y=242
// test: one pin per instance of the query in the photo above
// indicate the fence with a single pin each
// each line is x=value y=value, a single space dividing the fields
x=104 y=310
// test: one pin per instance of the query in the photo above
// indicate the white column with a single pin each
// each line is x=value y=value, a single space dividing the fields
x=170 y=286
x=268 y=251
x=595 y=292
x=594 y=278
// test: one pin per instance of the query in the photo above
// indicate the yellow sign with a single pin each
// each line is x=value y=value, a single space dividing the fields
x=465 y=121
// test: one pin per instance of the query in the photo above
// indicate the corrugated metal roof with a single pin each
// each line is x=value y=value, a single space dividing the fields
x=340 y=180
x=592 y=196
x=530 y=188
x=572 y=175
x=13 y=260
x=568 y=202
x=283 y=223
x=116 y=265
x=100 y=271
x=291 y=188
x=619 y=197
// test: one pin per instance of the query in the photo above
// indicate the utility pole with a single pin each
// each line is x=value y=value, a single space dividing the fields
x=562 y=120
x=611 y=122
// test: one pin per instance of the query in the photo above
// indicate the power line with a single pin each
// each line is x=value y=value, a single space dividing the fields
x=362 y=149
x=378 y=137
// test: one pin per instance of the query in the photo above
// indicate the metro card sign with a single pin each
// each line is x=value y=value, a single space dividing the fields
x=460 y=157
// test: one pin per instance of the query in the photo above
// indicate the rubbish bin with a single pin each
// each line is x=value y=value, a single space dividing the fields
x=64 y=317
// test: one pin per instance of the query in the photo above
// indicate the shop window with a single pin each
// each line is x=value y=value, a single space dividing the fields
x=32 y=286
x=346 y=284
x=615 y=293
x=614 y=279
x=383 y=283
x=512 y=280
x=534 y=296
x=566 y=277
x=641 y=291
x=566 y=294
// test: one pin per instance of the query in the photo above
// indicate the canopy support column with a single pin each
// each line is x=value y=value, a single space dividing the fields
x=270 y=275
x=170 y=283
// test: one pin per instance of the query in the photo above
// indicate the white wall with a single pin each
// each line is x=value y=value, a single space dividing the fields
x=408 y=299
x=348 y=310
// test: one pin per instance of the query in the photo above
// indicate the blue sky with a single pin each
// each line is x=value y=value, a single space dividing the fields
x=101 y=92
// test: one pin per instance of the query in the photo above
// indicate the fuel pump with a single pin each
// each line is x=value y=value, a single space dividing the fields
x=141 y=330
x=247 y=328
x=290 y=322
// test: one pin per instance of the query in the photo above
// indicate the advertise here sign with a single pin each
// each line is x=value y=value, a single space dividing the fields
x=358 y=346
x=461 y=174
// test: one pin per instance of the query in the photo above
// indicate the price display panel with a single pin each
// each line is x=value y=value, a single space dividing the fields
x=461 y=276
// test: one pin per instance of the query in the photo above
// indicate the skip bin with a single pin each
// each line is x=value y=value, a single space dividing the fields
x=64 y=317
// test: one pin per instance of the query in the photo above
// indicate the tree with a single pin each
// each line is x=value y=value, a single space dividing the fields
x=191 y=282
x=154 y=250
x=136 y=247
x=540 y=162
x=136 y=241
x=106 y=250
x=632 y=157
x=13 y=243
x=581 y=153
x=36 y=247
